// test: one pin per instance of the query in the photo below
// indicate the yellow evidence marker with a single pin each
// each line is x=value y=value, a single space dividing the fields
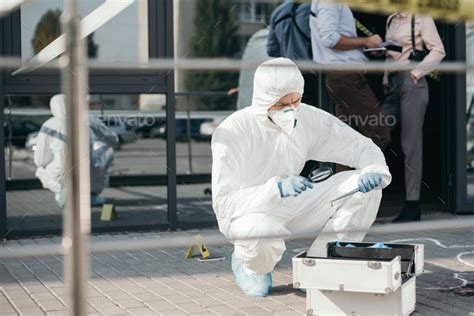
x=199 y=243
x=108 y=212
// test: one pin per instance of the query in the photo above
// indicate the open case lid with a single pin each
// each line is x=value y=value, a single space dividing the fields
x=412 y=258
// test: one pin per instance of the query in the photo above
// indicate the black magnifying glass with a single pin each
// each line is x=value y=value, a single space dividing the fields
x=320 y=174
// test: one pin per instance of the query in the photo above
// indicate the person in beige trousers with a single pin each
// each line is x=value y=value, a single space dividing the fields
x=407 y=95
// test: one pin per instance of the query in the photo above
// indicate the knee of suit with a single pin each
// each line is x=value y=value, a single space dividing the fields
x=256 y=225
x=260 y=255
x=371 y=202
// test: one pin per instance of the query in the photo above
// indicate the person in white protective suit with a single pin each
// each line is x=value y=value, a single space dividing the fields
x=258 y=197
x=50 y=154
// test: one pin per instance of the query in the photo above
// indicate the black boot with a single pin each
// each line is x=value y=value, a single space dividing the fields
x=411 y=212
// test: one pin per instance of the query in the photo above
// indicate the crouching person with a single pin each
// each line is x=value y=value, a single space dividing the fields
x=258 y=197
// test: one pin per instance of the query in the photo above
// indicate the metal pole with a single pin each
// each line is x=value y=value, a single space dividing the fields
x=171 y=123
x=77 y=210
x=10 y=140
x=3 y=195
x=188 y=129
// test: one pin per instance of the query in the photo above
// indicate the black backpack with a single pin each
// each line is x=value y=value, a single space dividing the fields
x=292 y=15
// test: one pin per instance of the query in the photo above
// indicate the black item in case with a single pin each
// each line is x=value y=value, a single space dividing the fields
x=361 y=252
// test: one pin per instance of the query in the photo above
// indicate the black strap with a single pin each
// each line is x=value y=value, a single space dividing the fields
x=293 y=18
x=413 y=32
x=294 y=7
x=389 y=22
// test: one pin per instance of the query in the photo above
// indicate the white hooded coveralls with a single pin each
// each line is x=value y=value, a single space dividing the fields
x=50 y=154
x=251 y=154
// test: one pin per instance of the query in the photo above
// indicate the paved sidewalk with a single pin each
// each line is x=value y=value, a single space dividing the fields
x=163 y=282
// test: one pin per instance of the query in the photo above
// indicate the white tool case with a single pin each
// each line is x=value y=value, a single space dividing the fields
x=360 y=280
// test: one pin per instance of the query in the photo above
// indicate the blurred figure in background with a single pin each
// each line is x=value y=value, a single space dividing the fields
x=334 y=41
x=407 y=95
x=255 y=52
x=50 y=155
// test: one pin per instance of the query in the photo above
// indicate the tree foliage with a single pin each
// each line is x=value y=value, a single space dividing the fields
x=49 y=28
x=215 y=35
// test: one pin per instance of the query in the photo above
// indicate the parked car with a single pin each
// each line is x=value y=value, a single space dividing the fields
x=182 y=129
x=149 y=128
x=124 y=131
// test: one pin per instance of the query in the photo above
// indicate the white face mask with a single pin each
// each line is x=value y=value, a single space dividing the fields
x=285 y=118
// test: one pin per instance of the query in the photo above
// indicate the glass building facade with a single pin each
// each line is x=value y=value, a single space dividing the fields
x=161 y=172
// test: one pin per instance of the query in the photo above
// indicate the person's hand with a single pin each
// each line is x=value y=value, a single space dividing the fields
x=294 y=186
x=233 y=91
x=369 y=181
x=373 y=41
x=414 y=78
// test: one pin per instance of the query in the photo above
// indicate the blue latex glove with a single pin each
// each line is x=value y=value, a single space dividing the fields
x=380 y=245
x=369 y=181
x=346 y=246
x=293 y=186
x=251 y=283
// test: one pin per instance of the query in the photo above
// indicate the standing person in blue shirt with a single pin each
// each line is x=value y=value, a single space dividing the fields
x=290 y=37
x=334 y=41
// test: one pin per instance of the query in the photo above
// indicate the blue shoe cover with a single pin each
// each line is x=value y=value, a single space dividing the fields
x=251 y=283
x=380 y=245
x=97 y=200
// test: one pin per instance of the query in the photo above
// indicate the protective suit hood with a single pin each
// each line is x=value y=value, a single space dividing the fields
x=273 y=80
x=58 y=106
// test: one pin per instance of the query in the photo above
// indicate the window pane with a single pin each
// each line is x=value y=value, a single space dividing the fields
x=124 y=36
x=120 y=172
x=470 y=110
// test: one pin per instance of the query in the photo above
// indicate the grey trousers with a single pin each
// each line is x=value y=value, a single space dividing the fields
x=405 y=103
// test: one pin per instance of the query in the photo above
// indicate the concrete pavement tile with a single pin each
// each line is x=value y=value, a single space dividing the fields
x=111 y=310
x=206 y=301
x=24 y=302
x=116 y=295
x=58 y=313
x=192 y=308
x=30 y=310
x=221 y=295
x=301 y=307
x=223 y=309
x=271 y=305
x=43 y=296
x=52 y=305
x=147 y=296
x=130 y=303
x=176 y=298
x=191 y=293
x=36 y=288
x=175 y=313
x=142 y=311
x=100 y=301
x=256 y=311
x=161 y=305
x=287 y=312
